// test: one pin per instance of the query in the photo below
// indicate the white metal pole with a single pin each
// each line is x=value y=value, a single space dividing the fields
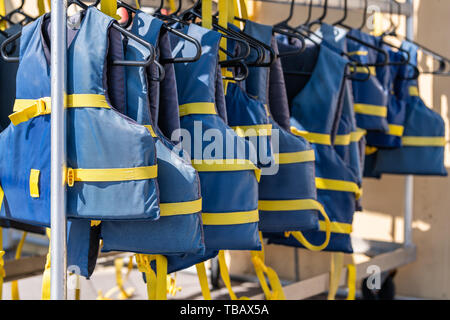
x=409 y=181
x=58 y=150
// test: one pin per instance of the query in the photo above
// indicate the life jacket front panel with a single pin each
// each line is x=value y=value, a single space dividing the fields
x=179 y=228
x=228 y=177
x=111 y=159
x=370 y=97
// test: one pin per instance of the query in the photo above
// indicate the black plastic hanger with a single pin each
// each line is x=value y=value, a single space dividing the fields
x=283 y=28
x=340 y=22
x=364 y=18
x=320 y=19
x=150 y=59
x=175 y=32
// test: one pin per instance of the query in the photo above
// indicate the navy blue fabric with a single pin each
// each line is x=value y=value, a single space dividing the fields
x=420 y=121
x=177 y=180
x=396 y=107
x=369 y=92
x=293 y=181
x=316 y=109
x=278 y=101
x=222 y=192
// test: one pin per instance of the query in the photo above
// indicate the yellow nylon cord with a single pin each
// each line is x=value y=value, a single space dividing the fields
x=15 y=284
x=109 y=7
x=351 y=281
x=337 y=263
x=298 y=235
x=258 y=260
x=230 y=218
x=226 y=277
x=156 y=283
x=138 y=5
x=172 y=288
x=243 y=7
x=203 y=279
x=172 y=5
x=41 y=7
x=223 y=22
x=207 y=14
x=2 y=23
x=46 y=275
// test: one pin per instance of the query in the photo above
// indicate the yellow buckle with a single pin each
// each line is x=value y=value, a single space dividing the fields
x=70 y=177
x=41 y=106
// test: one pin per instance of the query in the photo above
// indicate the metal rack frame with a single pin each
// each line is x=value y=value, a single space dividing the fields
x=299 y=290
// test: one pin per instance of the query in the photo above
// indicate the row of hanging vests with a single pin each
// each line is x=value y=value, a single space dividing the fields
x=149 y=168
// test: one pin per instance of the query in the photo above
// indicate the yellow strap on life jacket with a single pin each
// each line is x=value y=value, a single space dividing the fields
x=150 y=129
x=203 y=279
x=295 y=157
x=337 y=264
x=396 y=130
x=411 y=141
x=172 y=287
x=207 y=14
x=197 y=108
x=46 y=275
x=370 y=109
x=414 y=91
x=339 y=185
x=15 y=284
x=217 y=165
x=41 y=7
x=275 y=292
x=156 y=283
x=177 y=208
x=34 y=183
x=109 y=7
x=358 y=53
x=26 y=109
x=230 y=218
x=3 y=24
x=226 y=276
x=318 y=138
x=114 y=174
x=298 y=235
x=172 y=5
x=365 y=70
x=370 y=150
x=259 y=130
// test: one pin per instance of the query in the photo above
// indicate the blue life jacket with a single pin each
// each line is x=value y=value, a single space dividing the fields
x=423 y=141
x=316 y=115
x=287 y=192
x=229 y=179
x=111 y=159
x=179 y=228
x=370 y=97
x=396 y=107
